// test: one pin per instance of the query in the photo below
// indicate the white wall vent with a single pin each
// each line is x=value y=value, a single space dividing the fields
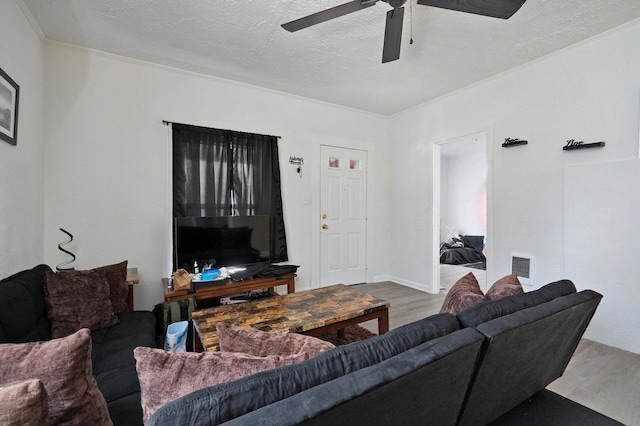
x=523 y=267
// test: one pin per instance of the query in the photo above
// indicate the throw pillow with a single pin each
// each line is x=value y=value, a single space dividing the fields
x=117 y=277
x=64 y=368
x=505 y=286
x=261 y=343
x=465 y=293
x=76 y=301
x=23 y=403
x=165 y=376
x=118 y=287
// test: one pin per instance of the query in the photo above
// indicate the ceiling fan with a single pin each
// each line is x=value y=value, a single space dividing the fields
x=393 y=30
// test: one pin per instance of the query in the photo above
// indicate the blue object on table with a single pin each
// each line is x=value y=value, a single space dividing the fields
x=210 y=274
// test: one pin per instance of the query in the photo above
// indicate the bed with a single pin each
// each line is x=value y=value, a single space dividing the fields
x=463 y=250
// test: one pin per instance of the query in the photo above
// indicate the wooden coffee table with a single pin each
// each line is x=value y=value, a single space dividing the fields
x=311 y=312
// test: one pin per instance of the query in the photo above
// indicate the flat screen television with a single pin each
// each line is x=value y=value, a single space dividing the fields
x=221 y=241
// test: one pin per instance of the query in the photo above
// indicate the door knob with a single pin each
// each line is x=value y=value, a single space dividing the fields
x=325 y=226
x=324 y=215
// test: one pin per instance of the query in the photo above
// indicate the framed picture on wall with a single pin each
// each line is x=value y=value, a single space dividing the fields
x=9 y=94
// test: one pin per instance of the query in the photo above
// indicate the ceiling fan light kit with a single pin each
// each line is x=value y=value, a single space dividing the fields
x=393 y=29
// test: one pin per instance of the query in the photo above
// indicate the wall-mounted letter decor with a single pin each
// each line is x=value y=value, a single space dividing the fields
x=9 y=95
x=509 y=142
x=574 y=144
x=299 y=161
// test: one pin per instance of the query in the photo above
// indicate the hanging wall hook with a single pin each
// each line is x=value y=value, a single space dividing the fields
x=299 y=161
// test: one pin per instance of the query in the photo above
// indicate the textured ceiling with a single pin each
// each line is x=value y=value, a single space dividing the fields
x=338 y=61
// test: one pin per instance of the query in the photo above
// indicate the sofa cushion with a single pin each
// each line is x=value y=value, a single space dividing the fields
x=64 y=367
x=78 y=301
x=23 y=317
x=505 y=286
x=112 y=353
x=231 y=399
x=118 y=288
x=262 y=343
x=396 y=391
x=165 y=376
x=464 y=293
x=512 y=368
x=486 y=311
x=23 y=403
x=549 y=408
x=113 y=346
x=126 y=411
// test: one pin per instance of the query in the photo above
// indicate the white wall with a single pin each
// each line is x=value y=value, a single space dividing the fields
x=107 y=169
x=21 y=166
x=464 y=191
x=602 y=231
x=588 y=92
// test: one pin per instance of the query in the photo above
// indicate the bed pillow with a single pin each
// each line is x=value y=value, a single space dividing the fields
x=465 y=293
x=505 y=286
x=476 y=242
x=76 y=301
x=261 y=343
x=64 y=368
x=23 y=403
x=166 y=376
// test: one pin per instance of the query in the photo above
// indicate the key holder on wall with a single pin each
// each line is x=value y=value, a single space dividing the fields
x=297 y=161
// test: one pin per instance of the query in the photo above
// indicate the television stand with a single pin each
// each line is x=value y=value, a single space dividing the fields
x=229 y=287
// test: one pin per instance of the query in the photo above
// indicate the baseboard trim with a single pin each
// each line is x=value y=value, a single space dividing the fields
x=411 y=284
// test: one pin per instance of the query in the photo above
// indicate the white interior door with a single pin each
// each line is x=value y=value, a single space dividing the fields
x=343 y=189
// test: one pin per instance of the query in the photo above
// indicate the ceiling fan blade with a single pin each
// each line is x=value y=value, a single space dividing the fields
x=326 y=15
x=495 y=8
x=393 y=35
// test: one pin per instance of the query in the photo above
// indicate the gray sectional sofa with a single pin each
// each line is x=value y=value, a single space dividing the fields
x=489 y=364
x=23 y=318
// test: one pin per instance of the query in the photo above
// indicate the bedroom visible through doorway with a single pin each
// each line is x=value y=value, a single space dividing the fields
x=462 y=209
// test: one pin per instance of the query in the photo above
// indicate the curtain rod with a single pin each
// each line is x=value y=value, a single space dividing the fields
x=165 y=122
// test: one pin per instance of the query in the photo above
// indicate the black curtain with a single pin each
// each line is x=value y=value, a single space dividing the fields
x=228 y=173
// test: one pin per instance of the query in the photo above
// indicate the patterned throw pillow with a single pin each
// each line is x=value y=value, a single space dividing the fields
x=117 y=276
x=261 y=343
x=505 y=286
x=76 y=301
x=165 y=376
x=23 y=403
x=64 y=368
x=465 y=293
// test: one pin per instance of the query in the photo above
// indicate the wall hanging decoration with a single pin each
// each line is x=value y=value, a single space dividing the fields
x=574 y=144
x=509 y=142
x=297 y=161
x=9 y=96
x=63 y=266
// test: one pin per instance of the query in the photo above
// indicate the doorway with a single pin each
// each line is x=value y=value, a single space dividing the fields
x=343 y=210
x=460 y=213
